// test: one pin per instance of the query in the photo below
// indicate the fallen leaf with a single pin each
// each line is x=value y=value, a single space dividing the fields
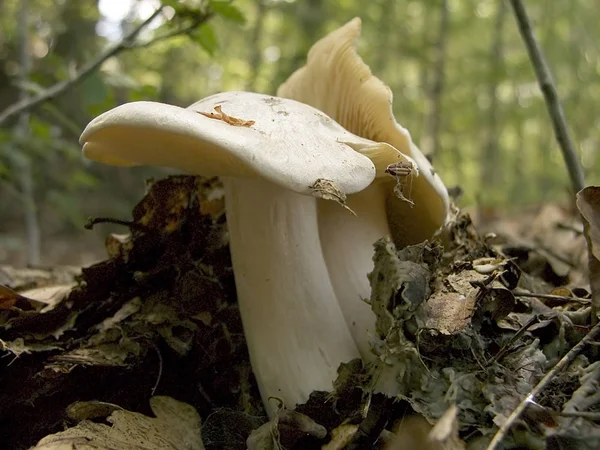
x=341 y=436
x=10 y=299
x=220 y=115
x=588 y=203
x=328 y=190
x=288 y=426
x=50 y=296
x=444 y=434
x=175 y=427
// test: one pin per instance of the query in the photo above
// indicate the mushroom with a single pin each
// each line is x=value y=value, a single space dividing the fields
x=335 y=80
x=276 y=157
x=300 y=259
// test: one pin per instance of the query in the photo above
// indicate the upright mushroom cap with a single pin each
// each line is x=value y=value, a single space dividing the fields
x=335 y=80
x=286 y=142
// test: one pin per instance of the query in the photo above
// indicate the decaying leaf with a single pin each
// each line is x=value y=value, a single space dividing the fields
x=328 y=190
x=160 y=315
x=163 y=207
x=228 y=429
x=90 y=410
x=27 y=278
x=417 y=433
x=444 y=435
x=548 y=245
x=460 y=340
x=450 y=310
x=220 y=115
x=577 y=423
x=438 y=317
x=341 y=437
x=10 y=299
x=283 y=431
x=175 y=427
x=403 y=173
x=588 y=203
x=118 y=246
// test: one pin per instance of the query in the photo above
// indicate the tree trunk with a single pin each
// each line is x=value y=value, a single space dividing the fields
x=430 y=140
x=21 y=161
x=255 y=59
x=387 y=17
x=491 y=164
x=310 y=17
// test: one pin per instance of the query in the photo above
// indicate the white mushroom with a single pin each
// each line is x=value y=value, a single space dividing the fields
x=275 y=157
x=336 y=81
x=300 y=260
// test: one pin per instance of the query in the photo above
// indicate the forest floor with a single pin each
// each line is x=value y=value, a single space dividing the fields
x=146 y=343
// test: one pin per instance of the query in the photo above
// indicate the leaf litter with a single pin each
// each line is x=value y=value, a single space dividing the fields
x=468 y=325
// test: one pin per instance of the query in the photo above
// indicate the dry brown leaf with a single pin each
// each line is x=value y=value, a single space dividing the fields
x=403 y=173
x=287 y=422
x=25 y=278
x=118 y=246
x=341 y=436
x=451 y=312
x=220 y=115
x=417 y=433
x=444 y=434
x=49 y=295
x=588 y=203
x=328 y=190
x=175 y=427
x=10 y=299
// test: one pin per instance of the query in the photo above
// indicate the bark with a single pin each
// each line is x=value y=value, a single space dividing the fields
x=387 y=17
x=490 y=173
x=21 y=161
x=255 y=59
x=310 y=16
x=430 y=140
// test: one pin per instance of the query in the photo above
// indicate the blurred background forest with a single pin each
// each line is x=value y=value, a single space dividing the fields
x=461 y=77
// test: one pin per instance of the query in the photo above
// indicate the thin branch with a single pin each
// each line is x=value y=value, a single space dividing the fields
x=89 y=68
x=558 y=298
x=544 y=77
x=174 y=33
x=563 y=363
x=504 y=350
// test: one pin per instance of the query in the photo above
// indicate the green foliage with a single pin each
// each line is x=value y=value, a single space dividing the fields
x=228 y=11
x=206 y=37
x=256 y=44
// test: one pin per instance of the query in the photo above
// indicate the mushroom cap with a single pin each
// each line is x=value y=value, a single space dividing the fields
x=284 y=141
x=335 y=80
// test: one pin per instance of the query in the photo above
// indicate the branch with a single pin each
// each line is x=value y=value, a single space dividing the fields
x=89 y=68
x=563 y=363
x=174 y=33
x=544 y=77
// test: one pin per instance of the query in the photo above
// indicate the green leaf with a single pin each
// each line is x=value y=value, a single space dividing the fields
x=228 y=11
x=172 y=3
x=206 y=37
x=41 y=130
x=94 y=89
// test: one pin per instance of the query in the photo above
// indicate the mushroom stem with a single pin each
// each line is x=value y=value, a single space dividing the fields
x=347 y=242
x=295 y=330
